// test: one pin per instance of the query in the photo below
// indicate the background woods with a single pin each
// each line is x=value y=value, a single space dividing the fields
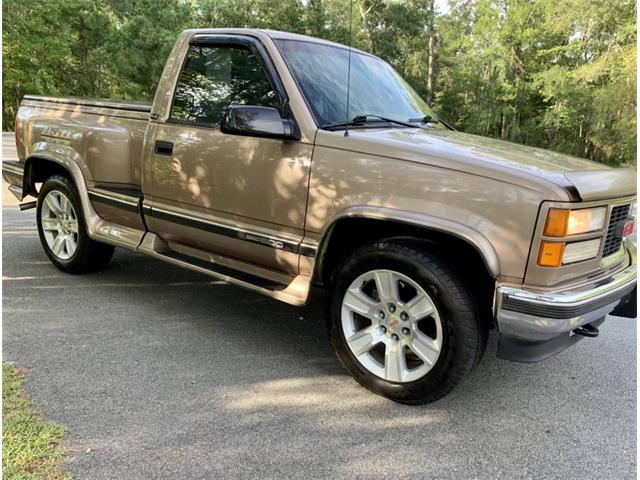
x=559 y=74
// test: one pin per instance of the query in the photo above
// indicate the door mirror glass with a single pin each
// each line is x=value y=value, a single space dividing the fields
x=255 y=121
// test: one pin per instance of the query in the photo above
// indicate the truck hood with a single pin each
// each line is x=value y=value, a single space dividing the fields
x=494 y=158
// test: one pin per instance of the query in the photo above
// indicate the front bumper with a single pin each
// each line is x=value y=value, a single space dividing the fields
x=535 y=325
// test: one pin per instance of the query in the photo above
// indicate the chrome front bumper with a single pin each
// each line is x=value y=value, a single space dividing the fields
x=534 y=325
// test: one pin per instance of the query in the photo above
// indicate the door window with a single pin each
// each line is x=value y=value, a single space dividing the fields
x=214 y=77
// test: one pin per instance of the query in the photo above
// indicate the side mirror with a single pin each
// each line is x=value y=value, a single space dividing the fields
x=254 y=121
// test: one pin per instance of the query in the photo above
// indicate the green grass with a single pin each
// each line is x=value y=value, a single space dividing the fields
x=30 y=446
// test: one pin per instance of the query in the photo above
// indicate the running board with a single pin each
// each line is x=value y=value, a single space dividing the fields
x=227 y=272
x=293 y=293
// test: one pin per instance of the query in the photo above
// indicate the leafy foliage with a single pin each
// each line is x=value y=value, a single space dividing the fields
x=559 y=74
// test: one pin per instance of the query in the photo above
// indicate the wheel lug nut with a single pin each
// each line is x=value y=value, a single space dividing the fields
x=404 y=316
x=406 y=331
x=384 y=329
x=395 y=337
x=392 y=307
x=381 y=315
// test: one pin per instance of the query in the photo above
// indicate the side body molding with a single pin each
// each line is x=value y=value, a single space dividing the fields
x=474 y=238
x=97 y=228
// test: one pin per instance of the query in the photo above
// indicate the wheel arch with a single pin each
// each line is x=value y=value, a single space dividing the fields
x=37 y=169
x=359 y=225
x=40 y=165
x=47 y=159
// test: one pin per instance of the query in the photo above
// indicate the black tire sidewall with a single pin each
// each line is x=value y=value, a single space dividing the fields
x=63 y=185
x=455 y=359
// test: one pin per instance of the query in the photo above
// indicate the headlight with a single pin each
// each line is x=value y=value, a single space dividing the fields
x=579 y=251
x=562 y=222
x=554 y=254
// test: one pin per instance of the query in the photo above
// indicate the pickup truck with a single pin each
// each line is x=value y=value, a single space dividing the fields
x=258 y=165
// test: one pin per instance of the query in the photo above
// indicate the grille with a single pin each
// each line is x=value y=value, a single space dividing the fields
x=613 y=240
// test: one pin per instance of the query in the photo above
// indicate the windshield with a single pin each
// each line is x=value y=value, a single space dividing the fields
x=376 y=88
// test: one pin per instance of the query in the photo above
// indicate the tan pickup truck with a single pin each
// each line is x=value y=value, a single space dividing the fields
x=254 y=166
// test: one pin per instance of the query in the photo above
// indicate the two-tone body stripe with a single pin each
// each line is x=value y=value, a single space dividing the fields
x=228 y=231
x=308 y=250
x=131 y=205
x=13 y=167
x=13 y=173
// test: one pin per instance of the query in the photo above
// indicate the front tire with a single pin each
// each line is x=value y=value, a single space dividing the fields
x=403 y=323
x=63 y=231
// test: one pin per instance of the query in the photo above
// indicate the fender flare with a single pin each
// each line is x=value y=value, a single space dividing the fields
x=44 y=151
x=465 y=233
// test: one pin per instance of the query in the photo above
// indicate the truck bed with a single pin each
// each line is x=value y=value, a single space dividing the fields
x=107 y=134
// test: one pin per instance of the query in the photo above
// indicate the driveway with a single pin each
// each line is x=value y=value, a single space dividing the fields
x=162 y=373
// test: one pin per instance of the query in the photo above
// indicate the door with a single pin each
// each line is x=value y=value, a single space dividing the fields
x=237 y=196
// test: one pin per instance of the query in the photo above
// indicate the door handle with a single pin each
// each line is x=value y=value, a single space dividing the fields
x=163 y=148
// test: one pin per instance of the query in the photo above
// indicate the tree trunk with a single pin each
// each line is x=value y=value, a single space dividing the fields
x=432 y=45
x=430 y=71
x=364 y=13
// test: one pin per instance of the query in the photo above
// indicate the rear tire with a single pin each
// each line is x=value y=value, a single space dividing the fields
x=418 y=338
x=63 y=231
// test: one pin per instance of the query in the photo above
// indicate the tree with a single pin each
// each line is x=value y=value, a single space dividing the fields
x=37 y=51
x=559 y=74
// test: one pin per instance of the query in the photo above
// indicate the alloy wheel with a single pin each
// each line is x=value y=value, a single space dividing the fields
x=391 y=325
x=59 y=224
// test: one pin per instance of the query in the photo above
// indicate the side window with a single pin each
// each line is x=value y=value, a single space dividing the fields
x=215 y=77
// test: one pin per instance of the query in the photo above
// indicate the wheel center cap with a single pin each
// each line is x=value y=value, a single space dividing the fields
x=393 y=323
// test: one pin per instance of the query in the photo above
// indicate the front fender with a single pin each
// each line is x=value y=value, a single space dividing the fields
x=474 y=238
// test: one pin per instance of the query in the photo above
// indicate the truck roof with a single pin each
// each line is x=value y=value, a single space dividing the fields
x=275 y=35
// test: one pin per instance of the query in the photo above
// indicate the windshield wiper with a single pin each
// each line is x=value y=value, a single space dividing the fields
x=430 y=119
x=363 y=119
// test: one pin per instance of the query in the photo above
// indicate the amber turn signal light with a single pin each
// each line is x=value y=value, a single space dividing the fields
x=557 y=222
x=551 y=254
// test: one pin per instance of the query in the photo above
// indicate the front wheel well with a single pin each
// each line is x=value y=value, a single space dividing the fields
x=349 y=234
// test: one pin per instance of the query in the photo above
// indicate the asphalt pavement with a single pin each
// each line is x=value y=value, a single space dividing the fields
x=159 y=373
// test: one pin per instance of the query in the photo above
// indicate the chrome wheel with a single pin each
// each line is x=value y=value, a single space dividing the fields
x=59 y=225
x=391 y=325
